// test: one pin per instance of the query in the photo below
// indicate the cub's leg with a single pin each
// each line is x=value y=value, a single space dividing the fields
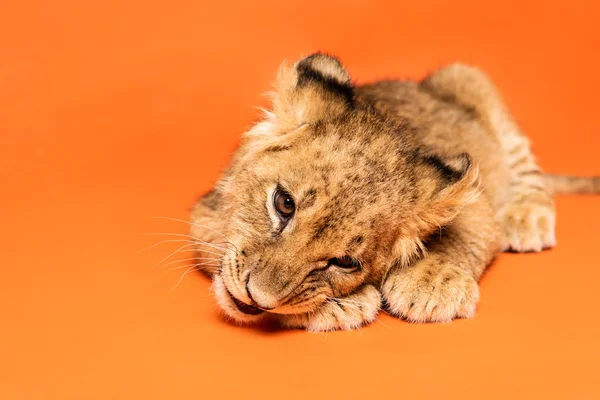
x=526 y=208
x=208 y=225
x=351 y=312
x=443 y=284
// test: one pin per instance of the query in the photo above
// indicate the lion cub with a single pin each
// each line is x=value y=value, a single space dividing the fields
x=344 y=198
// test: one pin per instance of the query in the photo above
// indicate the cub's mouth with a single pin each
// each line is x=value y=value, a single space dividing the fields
x=245 y=308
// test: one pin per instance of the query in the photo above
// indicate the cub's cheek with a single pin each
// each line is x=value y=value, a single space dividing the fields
x=228 y=306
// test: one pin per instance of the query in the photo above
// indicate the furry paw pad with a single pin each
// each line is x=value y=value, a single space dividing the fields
x=351 y=312
x=527 y=227
x=426 y=292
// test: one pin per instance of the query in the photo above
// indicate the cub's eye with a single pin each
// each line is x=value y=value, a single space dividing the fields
x=344 y=262
x=284 y=204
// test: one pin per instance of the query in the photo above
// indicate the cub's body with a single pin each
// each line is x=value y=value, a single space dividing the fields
x=397 y=190
x=444 y=125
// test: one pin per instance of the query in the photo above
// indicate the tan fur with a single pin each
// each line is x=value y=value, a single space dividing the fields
x=422 y=182
x=572 y=184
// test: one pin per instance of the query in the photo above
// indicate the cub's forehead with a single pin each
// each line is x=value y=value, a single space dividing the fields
x=331 y=158
x=330 y=171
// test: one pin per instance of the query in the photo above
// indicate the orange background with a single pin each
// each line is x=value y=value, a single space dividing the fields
x=114 y=112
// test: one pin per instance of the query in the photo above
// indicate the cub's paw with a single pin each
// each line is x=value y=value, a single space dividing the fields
x=351 y=312
x=527 y=227
x=431 y=292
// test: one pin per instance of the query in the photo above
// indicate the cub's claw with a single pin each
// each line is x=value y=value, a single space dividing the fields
x=351 y=312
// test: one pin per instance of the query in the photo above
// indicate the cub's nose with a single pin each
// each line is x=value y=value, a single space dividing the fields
x=259 y=297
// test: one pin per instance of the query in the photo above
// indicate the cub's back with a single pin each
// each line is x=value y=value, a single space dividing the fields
x=444 y=126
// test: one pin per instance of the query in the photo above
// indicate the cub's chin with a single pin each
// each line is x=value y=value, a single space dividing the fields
x=236 y=310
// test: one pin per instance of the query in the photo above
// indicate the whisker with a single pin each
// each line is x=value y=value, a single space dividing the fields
x=199 y=225
x=194 y=251
x=210 y=252
x=208 y=264
x=190 y=259
x=163 y=241
x=175 y=252
x=187 y=246
x=190 y=269
x=191 y=237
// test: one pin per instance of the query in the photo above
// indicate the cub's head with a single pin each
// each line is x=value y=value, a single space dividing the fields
x=325 y=195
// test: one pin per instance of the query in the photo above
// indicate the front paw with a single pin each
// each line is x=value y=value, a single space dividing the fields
x=431 y=292
x=351 y=312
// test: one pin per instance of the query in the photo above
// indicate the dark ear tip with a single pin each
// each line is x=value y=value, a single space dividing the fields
x=324 y=65
x=327 y=73
x=319 y=55
x=451 y=169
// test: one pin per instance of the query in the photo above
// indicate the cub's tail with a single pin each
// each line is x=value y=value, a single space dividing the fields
x=560 y=184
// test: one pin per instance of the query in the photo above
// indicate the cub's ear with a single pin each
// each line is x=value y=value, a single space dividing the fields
x=446 y=186
x=314 y=88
